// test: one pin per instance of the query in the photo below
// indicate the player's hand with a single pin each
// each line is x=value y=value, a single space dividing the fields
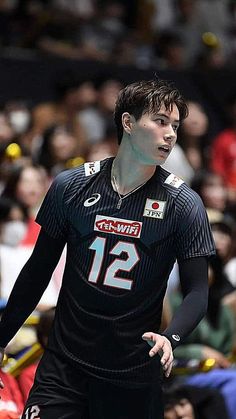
x=161 y=345
x=2 y=352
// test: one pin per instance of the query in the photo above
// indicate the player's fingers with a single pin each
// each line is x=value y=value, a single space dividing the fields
x=159 y=346
x=168 y=368
x=166 y=353
x=149 y=337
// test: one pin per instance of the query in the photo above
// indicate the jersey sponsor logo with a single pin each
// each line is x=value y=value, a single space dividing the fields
x=92 y=200
x=118 y=226
x=174 y=180
x=91 y=167
x=154 y=208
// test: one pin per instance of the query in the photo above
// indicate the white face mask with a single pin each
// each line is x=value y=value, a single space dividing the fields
x=13 y=232
x=19 y=121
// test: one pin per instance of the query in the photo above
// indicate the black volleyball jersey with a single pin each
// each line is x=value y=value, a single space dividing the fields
x=118 y=259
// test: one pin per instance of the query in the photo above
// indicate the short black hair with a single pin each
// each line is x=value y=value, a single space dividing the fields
x=147 y=96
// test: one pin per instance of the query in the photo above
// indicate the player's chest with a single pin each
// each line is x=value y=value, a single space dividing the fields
x=147 y=214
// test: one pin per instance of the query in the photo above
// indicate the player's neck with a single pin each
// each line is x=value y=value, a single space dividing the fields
x=128 y=174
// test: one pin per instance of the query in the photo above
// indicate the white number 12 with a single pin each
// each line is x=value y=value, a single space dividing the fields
x=126 y=265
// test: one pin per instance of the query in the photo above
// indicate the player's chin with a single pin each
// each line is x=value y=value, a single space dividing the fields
x=161 y=160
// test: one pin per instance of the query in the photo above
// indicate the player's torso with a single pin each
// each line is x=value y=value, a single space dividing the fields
x=120 y=251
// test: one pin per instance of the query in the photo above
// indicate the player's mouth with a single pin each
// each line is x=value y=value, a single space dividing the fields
x=164 y=149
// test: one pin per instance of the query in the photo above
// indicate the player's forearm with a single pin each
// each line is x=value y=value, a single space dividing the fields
x=194 y=282
x=186 y=318
x=23 y=299
x=29 y=286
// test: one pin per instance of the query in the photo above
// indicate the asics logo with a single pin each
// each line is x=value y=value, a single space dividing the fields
x=176 y=337
x=92 y=200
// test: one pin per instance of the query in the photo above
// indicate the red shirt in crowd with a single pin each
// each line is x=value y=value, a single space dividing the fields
x=224 y=156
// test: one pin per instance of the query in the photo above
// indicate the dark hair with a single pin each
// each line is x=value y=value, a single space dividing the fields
x=13 y=179
x=147 y=96
x=217 y=290
x=6 y=205
x=227 y=226
x=173 y=394
x=202 y=178
x=44 y=156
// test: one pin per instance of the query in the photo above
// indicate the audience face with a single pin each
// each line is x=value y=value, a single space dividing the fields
x=196 y=124
x=213 y=192
x=107 y=95
x=223 y=243
x=6 y=132
x=63 y=145
x=181 y=409
x=31 y=186
x=12 y=223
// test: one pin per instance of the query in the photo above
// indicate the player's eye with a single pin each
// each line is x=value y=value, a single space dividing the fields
x=160 y=121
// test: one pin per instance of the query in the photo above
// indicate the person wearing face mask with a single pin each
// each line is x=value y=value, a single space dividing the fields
x=13 y=217
x=19 y=119
x=15 y=247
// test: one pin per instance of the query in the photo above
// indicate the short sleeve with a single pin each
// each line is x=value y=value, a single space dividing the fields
x=52 y=213
x=194 y=236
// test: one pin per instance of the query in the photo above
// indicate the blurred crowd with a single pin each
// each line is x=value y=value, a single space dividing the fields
x=175 y=34
x=39 y=141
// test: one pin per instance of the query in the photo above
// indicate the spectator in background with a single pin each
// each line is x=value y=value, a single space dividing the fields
x=170 y=50
x=189 y=402
x=28 y=184
x=192 y=135
x=211 y=188
x=24 y=190
x=60 y=149
x=223 y=151
x=13 y=216
x=96 y=120
x=212 y=54
x=189 y=24
x=72 y=94
x=177 y=405
x=6 y=130
x=225 y=241
x=19 y=116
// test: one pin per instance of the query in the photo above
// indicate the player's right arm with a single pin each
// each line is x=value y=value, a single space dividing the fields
x=30 y=285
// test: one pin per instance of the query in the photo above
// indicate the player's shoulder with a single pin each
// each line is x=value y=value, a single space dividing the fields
x=80 y=174
x=176 y=187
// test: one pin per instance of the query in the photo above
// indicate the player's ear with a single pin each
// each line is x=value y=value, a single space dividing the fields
x=127 y=121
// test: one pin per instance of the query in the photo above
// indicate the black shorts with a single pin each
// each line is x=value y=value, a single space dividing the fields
x=65 y=391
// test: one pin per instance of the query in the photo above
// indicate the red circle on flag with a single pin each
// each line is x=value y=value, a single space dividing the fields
x=155 y=205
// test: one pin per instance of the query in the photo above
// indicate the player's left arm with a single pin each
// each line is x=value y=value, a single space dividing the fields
x=194 y=284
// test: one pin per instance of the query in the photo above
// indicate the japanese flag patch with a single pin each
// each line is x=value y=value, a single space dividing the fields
x=154 y=208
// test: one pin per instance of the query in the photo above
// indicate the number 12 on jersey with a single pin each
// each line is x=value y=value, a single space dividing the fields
x=126 y=265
